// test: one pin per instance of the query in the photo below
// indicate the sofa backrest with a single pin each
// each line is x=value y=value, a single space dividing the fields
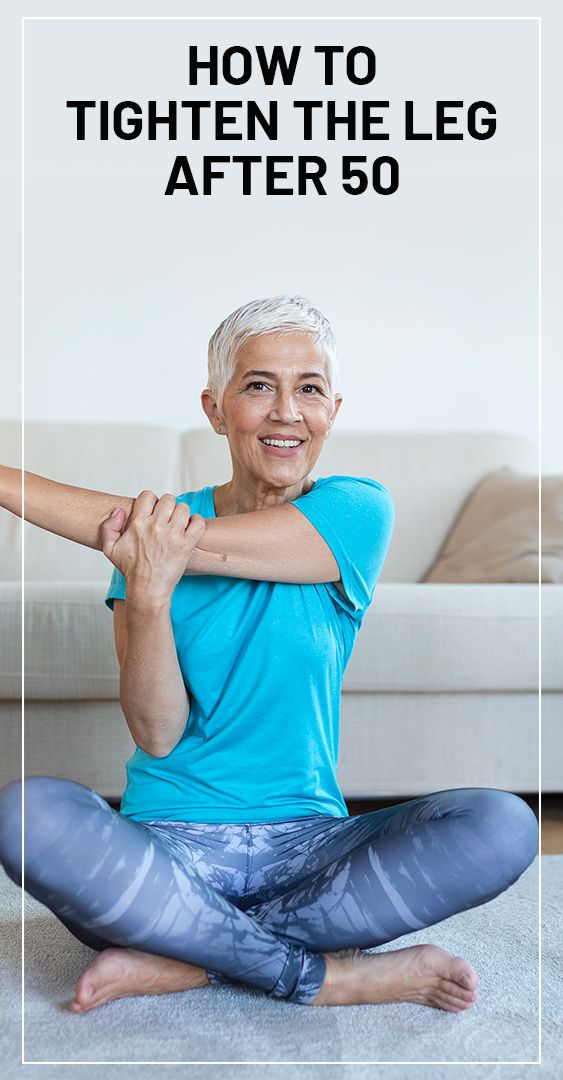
x=429 y=475
x=118 y=458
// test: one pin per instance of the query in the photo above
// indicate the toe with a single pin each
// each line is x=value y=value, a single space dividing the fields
x=449 y=1002
x=84 y=994
x=447 y=986
x=460 y=973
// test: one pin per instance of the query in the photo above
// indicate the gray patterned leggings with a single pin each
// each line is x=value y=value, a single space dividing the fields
x=259 y=903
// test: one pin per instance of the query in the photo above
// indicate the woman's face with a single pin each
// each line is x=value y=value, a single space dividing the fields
x=279 y=390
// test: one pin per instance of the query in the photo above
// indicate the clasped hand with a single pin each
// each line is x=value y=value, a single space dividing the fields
x=153 y=549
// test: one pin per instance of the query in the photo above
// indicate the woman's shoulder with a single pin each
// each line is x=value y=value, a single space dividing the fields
x=200 y=501
x=344 y=481
x=352 y=501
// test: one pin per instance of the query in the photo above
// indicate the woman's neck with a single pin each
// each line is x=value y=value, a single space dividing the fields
x=229 y=501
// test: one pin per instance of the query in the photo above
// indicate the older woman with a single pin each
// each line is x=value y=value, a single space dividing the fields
x=236 y=608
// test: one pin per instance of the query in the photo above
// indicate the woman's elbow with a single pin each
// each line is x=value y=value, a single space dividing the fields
x=151 y=748
x=158 y=753
x=153 y=744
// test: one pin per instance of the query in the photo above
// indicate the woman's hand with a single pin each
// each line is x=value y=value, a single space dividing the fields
x=152 y=552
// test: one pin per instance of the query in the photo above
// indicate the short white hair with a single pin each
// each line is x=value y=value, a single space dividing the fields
x=274 y=315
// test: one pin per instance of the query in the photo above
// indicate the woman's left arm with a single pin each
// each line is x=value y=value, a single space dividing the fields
x=275 y=544
x=72 y=512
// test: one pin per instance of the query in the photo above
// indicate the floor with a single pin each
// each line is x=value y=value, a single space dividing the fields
x=239 y=1024
x=551 y=816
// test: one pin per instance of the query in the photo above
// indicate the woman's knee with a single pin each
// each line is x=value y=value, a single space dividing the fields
x=508 y=825
x=49 y=804
x=521 y=828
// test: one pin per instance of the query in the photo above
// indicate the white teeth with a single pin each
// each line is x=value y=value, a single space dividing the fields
x=281 y=442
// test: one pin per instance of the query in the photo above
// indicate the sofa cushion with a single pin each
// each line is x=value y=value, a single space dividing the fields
x=457 y=638
x=10 y=640
x=495 y=537
x=413 y=638
x=69 y=643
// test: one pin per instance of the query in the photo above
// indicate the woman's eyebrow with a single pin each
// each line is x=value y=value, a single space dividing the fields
x=272 y=375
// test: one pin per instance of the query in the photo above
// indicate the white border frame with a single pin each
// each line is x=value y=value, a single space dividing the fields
x=323 y=18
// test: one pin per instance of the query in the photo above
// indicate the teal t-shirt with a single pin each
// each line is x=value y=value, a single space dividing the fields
x=263 y=663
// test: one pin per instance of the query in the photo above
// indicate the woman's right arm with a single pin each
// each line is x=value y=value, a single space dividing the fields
x=74 y=512
x=152 y=692
x=151 y=553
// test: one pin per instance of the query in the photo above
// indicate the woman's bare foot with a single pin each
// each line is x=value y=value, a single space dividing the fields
x=425 y=974
x=119 y=973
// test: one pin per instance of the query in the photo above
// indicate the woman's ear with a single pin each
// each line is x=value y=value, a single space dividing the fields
x=209 y=406
x=336 y=405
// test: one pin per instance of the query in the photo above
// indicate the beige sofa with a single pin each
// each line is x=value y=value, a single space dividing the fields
x=441 y=690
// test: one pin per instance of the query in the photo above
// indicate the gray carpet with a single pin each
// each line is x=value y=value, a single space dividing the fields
x=230 y=1024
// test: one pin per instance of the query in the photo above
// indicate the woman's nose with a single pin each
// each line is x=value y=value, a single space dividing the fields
x=284 y=407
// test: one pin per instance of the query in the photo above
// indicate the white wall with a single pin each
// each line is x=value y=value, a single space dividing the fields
x=432 y=292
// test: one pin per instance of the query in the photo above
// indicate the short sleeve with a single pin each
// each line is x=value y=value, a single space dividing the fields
x=355 y=515
x=116 y=590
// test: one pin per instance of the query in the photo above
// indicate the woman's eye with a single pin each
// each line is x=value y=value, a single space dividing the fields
x=309 y=386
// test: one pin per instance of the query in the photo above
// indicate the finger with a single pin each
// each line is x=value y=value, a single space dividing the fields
x=144 y=504
x=196 y=527
x=111 y=530
x=118 y=518
x=165 y=507
x=180 y=516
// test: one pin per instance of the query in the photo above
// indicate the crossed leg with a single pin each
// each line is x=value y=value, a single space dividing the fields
x=383 y=875
x=390 y=872
x=398 y=870
x=112 y=881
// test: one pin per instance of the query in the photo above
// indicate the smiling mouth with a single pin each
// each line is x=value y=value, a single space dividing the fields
x=276 y=438
x=282 y=448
